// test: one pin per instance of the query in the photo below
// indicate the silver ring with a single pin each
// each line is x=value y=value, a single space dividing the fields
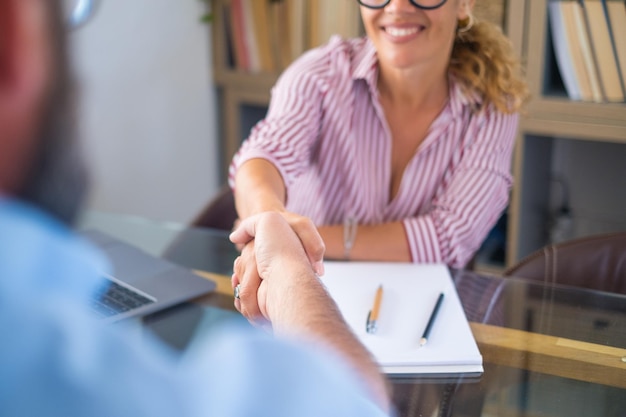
x=237 y=290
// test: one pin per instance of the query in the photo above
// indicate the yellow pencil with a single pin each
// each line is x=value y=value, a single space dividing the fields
x=372 y=317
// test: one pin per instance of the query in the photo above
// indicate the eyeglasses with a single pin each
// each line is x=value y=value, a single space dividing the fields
x=79 y=12
x=420 y=4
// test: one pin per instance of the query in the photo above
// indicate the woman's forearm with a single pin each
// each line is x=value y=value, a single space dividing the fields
x=382 y=242
x=258 y=187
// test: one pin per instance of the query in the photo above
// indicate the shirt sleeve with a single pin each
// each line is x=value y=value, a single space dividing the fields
x=263 y=376
x=472 y=200
x=286 y=136
x=59 y=363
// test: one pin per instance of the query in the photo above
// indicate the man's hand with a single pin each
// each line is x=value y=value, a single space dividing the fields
x=271 y=259
x=309 y=237
x=291 y=297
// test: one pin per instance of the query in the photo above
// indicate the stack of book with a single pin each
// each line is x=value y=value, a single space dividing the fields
x=267 y=35
x=589 y=39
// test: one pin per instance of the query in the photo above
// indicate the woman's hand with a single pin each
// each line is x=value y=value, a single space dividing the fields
x=309 y=238
x=250 y=300
x=307 y=233
x=273 y=254
x=259 y=188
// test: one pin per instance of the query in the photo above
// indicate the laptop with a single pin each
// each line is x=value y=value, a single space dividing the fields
x=141 y=283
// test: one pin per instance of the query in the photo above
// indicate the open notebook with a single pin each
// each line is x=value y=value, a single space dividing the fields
x=410 y=292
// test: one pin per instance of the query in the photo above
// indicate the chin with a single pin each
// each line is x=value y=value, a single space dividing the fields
x=399 y=62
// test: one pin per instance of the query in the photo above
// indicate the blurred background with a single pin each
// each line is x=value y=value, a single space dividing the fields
x=147 y=112
x=166 y=102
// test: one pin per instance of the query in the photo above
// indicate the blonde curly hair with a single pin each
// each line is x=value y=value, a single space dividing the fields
x=484 y=62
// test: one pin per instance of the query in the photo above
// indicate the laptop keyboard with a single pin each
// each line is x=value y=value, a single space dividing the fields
x=112 y=298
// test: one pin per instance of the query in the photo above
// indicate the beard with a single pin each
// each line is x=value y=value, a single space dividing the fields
x=57 y=181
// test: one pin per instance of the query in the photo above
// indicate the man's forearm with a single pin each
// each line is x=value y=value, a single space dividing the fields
x=323 y=324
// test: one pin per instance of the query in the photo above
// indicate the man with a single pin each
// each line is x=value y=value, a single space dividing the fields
x=57 y=360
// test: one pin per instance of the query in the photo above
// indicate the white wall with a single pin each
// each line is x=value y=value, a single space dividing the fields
x=148 y=116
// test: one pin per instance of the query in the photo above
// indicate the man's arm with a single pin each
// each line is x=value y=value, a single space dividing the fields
x=291 y=297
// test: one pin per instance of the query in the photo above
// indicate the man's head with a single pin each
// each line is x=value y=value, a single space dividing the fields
x=39 y=159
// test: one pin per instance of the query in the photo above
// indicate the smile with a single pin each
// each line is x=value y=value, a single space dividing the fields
x=400 y=32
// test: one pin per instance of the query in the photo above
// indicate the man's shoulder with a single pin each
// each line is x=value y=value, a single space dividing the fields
x=42 y=254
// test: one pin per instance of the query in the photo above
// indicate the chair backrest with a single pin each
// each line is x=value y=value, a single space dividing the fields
x=189 y=246
x=220 y=213
x=596 y=262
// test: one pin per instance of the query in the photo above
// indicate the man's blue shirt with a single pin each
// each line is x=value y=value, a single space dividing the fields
x=57 y=360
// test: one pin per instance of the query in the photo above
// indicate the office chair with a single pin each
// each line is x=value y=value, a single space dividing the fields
x=188 y=247
x=220 y=213
x=595 y=262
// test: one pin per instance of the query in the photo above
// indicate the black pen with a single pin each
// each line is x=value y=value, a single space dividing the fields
x=431 y=320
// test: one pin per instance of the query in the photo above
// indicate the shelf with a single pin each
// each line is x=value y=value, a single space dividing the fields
x=224 y=74
x=552 y=171
x=564 y=125
x=580 y=143
x=489 y=269
x=601 y=121
x=245 y=80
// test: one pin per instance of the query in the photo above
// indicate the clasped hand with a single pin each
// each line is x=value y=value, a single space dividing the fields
x=274 y=250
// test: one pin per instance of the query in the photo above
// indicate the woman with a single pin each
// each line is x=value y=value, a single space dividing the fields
x=398 y=145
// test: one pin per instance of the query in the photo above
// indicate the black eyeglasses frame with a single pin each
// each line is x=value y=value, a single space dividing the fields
x=413 y=2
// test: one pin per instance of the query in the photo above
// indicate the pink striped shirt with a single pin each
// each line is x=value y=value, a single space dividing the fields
x=326 y=133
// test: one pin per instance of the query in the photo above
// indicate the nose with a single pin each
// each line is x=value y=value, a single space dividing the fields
x=399 y=6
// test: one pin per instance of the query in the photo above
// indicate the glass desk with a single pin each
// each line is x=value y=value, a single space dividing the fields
x=547 y=350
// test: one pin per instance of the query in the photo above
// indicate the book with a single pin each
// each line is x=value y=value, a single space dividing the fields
x=314 y=34
x=332 y=17
x=616 y=11
x=328 y=19
x=252 y=43
x=584 y=42
x=562 y=47
x=410 y=292
x=349 y=19
x=262 y=34
x=279 y=34
x=236 y=25
x=571 y=19
x=602 y=48
x=297 y=27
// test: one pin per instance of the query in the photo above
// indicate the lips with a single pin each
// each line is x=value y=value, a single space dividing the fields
x=402 y=32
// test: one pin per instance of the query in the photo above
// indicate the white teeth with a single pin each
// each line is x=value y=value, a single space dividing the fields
x=401 y=31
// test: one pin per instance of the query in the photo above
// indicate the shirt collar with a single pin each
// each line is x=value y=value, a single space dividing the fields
x=365 y=67
x=365 y=64
x=462 y=98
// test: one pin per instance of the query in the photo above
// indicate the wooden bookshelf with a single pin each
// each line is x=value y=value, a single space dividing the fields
x=553 y=123
x=244 y=96
x=236 y=88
